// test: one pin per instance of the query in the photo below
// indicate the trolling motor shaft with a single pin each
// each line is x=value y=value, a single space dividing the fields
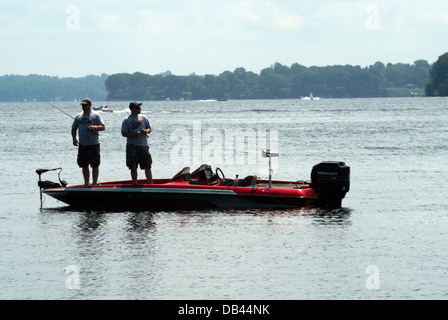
x=46 y=184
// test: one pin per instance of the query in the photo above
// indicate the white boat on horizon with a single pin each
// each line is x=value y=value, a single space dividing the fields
x=104 y=109
x=311 y=97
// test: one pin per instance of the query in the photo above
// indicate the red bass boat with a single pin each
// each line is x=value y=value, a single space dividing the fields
x=207 y=189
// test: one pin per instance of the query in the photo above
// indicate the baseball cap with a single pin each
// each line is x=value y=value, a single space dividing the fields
x=86 y=101
x=135 y=105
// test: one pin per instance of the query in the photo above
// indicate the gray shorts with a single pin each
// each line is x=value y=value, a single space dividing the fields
x=136 y=155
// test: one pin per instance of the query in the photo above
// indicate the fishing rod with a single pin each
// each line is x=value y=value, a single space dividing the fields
x=68 y=115
x=57 y=108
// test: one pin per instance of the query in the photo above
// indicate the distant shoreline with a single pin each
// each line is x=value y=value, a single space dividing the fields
x=275 y=82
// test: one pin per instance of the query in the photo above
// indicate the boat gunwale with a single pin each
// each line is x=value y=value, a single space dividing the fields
x=185 y=185
x=289 y=189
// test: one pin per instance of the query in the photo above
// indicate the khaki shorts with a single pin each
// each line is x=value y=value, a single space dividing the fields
x=136 y=155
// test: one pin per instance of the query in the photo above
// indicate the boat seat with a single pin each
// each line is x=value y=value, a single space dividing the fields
x=202 y=168
x=246 y=182
x=230 y=182
x=204 y=174
x=183 y=175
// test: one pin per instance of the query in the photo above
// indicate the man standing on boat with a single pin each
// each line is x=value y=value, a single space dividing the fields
x=136 y=129
x=88 y=123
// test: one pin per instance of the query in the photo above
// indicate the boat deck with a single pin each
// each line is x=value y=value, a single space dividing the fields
x=276 y=184
x=285 y=185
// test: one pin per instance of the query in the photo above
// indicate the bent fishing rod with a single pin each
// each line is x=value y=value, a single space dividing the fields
x=68 y=115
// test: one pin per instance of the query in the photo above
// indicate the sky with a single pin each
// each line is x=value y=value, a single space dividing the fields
x=76 y=38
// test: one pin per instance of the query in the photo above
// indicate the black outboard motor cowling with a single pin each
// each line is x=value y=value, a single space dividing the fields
x=331 y=180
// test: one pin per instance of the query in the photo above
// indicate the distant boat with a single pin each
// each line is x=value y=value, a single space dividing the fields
x=311 y=97
x=104 y=109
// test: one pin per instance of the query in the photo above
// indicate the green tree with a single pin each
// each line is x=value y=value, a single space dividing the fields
x=118 y=84
x=273 y=83
x=438 y=78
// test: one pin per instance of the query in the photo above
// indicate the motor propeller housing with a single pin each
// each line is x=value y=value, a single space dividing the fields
x=331 y=180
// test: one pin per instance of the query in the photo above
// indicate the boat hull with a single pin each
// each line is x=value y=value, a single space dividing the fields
x=181 y=197
x=203 y=189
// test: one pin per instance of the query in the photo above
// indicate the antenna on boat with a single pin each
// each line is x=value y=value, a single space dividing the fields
x=266 y=153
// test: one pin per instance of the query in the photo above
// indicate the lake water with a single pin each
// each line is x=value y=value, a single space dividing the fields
x=388 y=241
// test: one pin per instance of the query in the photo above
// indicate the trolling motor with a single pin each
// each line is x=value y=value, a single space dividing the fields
x=46 y=184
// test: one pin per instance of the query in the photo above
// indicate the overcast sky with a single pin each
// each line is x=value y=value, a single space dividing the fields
x=78 y=38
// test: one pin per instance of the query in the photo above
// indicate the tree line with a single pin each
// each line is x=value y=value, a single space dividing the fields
x=33 y=87
x=276 y=82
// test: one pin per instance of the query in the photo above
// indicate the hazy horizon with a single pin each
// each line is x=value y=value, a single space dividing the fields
x=80 y=38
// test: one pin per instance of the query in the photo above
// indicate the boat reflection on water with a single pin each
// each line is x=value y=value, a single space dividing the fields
x=324 y=216
x=91 y=220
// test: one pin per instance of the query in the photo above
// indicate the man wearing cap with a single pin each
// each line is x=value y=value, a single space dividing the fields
x=136 y=128
x=88 y=123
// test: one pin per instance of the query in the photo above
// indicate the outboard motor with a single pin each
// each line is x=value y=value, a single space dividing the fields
x=331 y=180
